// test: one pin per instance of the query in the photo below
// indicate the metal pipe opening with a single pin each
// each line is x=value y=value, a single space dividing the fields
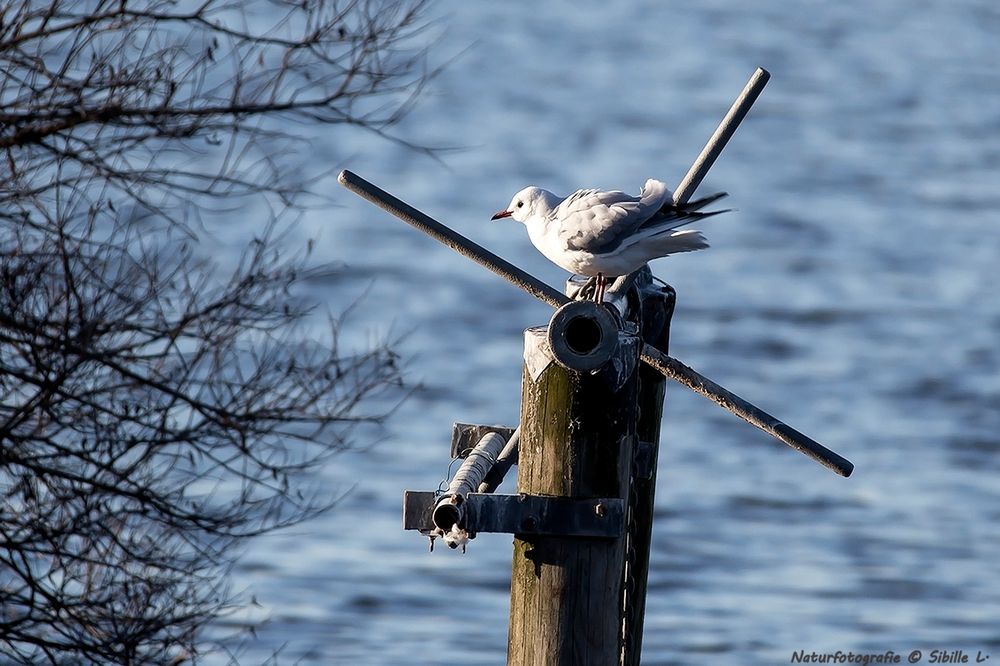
x=583 y=336
x=448 y=512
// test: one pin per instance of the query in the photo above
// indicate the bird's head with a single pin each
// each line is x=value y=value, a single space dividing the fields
x=528 y=203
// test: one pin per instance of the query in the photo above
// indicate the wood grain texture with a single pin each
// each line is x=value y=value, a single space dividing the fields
x=567 y=592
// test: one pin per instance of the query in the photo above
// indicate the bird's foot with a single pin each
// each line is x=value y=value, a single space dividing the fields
x=600 y=285
x=593 y=289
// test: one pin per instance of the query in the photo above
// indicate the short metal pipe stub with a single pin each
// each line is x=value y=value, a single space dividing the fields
x=583 y=336
x=448 y=512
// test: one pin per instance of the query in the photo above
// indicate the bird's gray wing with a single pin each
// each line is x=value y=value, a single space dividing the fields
x=598 y=222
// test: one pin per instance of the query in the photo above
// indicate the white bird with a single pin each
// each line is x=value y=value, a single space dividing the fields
x=601 y=234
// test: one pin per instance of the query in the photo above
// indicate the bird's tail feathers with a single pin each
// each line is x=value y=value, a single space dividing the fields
x=674 y=219
x=654 y=189
x=688 y=240
x=697 y=204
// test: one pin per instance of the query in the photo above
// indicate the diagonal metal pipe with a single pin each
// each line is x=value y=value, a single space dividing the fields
x=668 y=366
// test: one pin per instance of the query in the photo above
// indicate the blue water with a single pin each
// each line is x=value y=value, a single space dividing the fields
x=853 y=294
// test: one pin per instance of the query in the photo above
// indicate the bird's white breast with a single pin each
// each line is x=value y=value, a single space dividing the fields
x=545 y=237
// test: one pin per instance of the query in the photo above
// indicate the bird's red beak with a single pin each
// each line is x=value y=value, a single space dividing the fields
x=502 y=214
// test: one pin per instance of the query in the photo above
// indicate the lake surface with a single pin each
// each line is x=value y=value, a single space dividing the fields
x=853 y=294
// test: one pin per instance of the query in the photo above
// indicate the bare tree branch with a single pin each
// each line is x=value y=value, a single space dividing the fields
x=155 y=411
x=119 y=92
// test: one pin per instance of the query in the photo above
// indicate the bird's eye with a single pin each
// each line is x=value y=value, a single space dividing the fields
x=520 y=203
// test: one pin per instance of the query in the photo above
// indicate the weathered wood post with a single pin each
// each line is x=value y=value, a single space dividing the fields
x=577 y=435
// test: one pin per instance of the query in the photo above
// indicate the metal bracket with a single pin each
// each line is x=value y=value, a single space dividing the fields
x=523 y=514
x=464 y=436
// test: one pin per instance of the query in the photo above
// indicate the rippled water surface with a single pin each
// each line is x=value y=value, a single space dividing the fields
x=853 y=294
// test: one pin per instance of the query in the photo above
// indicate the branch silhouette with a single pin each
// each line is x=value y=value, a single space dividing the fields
x=157 y=410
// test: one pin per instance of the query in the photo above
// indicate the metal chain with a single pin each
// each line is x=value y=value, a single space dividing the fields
x=629 y=583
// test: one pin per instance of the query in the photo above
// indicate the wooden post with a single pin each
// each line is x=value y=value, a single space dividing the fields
x=577 y=435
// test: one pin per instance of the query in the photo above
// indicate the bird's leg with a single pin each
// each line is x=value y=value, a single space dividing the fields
x=599 y=288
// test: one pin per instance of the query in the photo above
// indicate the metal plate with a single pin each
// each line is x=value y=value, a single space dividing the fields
x=524 y=514
x=465 y=436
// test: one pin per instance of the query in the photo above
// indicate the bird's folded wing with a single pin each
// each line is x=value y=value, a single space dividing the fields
x=598 y=222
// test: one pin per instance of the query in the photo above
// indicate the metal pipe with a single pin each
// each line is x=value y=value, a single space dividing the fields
x=452 y=239
x=674 y=369
x=583 y=336
x=450 y=508
x=507 y=458
x=724 y=132
x=669 y=367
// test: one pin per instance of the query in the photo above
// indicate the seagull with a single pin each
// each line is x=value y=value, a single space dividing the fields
x=600 y=234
